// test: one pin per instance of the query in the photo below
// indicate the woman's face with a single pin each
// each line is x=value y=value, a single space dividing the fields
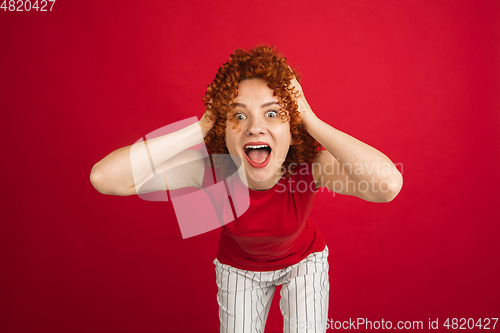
x=262 y=139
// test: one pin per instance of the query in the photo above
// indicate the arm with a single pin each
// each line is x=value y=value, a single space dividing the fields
x=349 y=166
x=115 y=175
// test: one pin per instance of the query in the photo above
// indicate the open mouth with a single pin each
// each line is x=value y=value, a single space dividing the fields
x=257 y=154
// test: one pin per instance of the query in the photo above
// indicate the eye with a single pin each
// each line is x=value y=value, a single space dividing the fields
x=240 y=116
x=271 y=114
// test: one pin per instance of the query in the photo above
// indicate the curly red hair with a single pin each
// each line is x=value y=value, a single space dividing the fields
x=266 y=63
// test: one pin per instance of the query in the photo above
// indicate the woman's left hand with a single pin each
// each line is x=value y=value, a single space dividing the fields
x=303 y=106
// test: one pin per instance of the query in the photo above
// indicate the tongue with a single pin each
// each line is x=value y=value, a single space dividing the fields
x=258 y=155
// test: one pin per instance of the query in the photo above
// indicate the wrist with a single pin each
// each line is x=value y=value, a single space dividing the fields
x=306 y=113
x=204 y=126
x=309 y=119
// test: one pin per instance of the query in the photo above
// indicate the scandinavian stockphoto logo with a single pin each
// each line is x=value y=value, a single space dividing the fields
x=200 y=205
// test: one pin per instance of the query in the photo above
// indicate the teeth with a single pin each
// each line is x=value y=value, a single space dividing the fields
x=258 y=146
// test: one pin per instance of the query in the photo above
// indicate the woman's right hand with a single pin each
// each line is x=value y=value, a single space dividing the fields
x=207 y=121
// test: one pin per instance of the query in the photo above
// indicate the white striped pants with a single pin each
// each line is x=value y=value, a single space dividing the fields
x=245 y=297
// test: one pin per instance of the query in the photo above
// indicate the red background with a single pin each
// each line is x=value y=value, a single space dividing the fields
x=418 y=80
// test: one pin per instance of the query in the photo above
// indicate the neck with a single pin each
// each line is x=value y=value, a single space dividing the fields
x=259 y=185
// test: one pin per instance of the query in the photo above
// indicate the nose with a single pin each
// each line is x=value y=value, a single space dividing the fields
x=255 y=127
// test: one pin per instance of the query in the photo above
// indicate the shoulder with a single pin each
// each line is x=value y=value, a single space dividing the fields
x=303 y=169
x=302 y=177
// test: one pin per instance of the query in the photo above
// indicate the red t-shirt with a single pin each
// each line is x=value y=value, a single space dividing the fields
x=276 y=230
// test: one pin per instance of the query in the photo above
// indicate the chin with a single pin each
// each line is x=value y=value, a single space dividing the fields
x=261 y=176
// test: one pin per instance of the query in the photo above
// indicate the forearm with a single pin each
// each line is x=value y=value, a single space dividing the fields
x=363 y=163
x=119 y=172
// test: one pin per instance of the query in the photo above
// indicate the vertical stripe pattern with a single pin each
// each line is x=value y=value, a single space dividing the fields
x=245 y=297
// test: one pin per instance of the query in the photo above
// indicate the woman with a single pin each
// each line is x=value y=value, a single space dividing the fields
x=256 y=112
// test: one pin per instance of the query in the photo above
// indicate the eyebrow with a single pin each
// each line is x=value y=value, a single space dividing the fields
x=262 y=106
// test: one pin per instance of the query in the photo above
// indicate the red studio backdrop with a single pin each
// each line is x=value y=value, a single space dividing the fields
x=418 y=80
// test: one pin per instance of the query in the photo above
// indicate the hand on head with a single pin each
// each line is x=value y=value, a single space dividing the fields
x=208 y=118
x=298 y=94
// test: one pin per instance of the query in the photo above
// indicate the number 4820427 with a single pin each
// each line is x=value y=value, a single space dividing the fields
x=27 y=5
